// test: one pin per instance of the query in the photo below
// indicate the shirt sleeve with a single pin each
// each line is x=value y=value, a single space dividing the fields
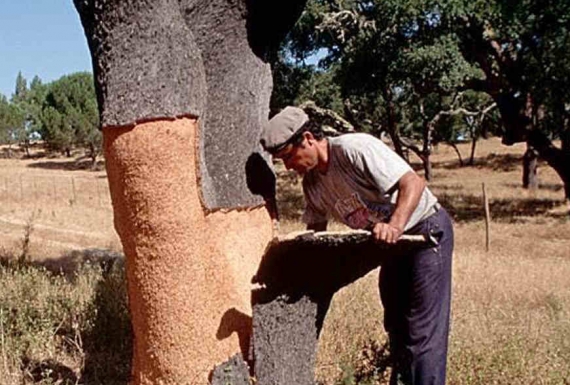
x=377 y=162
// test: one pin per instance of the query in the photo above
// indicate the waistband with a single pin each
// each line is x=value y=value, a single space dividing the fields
x=432 y=210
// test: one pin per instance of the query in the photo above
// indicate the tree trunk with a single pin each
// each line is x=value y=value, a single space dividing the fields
x=392 y=125
x=530 y=169
x=473 y=147
x=427 y=168
x=183 y=91
x=565 y=139
x=556 y=158
x=454 y=146
x=27 y=147
x=428 y=129
x=93 y=156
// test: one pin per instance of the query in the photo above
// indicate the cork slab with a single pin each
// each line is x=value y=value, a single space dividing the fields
x=297 y=278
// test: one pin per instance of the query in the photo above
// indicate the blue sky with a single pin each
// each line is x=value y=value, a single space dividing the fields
x=40 y=37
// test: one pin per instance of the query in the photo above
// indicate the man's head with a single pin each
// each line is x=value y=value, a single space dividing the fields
x=292 y=137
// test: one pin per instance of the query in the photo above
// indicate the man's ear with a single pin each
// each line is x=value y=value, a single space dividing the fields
x=309 y=136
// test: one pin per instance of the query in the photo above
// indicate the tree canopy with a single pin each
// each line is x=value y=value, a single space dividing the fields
x=425 y=70
x=63 y=113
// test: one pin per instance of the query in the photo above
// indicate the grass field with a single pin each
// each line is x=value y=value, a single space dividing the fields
x=510 y=312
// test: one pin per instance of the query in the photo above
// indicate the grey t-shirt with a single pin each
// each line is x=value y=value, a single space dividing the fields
x=359 y=187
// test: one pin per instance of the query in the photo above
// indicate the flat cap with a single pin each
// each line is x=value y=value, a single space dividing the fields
x=282 y=128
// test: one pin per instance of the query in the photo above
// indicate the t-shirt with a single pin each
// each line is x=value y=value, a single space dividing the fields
x=359 y=187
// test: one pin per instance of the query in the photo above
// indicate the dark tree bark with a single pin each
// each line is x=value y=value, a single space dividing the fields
x=530 y=169
x=426 y=152
x=454 y=146
x=556 y=158
x=505 y=84
x=473 y=147
x=392 y=126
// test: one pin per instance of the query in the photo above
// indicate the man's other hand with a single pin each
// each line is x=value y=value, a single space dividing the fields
x=384 y=232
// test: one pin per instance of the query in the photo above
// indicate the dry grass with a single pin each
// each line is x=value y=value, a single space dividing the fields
x=70 y=205
x=510 y=316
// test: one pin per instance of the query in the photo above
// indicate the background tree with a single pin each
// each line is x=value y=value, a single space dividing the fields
x=522 y=50
x=69 y=115
x=29 y=101
x=11 y=123
x=21 y=89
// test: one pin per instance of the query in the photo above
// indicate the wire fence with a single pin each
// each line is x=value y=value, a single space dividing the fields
x=72 y=190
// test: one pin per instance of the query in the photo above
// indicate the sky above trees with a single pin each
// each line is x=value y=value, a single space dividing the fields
x=40 y=37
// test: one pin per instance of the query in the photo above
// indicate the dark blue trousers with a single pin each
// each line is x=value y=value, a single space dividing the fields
x=415 y=289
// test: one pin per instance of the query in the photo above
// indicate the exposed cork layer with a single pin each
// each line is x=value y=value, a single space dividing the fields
x=188 y=272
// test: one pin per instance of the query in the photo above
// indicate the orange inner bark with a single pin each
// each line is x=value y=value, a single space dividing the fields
x=188 y=271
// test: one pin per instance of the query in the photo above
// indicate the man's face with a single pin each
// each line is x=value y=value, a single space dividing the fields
x=300 y=157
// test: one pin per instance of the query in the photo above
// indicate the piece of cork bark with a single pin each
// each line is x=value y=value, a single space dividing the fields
x=299 y=274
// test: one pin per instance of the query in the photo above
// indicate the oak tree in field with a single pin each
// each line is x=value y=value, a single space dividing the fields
x=11 y=123
x=70 y=116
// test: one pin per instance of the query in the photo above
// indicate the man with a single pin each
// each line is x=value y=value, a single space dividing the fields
x=358 y=180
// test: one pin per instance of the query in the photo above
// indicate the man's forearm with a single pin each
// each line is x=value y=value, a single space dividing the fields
x=410 y=189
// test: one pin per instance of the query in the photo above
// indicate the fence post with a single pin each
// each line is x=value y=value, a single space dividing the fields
x=21 y=189
x=98 y=192
x=54 y=190
x=487 y=219
x=73 y=189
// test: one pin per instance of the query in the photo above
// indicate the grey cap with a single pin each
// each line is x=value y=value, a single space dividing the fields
x=282 y=128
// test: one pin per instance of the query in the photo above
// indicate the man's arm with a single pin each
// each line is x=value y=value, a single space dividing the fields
x=319 y=226
x=410 y=189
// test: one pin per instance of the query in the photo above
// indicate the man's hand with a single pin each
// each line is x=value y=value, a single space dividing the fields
x=384 y=232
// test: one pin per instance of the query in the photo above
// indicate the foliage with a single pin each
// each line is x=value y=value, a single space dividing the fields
x=69 y=114
x=64 y=113
x=27 y=102
x=11 y=122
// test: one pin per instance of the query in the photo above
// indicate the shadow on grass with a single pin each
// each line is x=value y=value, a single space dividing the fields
x=467 y=208
x=80 y=164
x=108 y=342
x=554 y=187
x=493 y=162
x=72 y=263
x=107 y=337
